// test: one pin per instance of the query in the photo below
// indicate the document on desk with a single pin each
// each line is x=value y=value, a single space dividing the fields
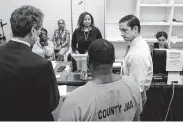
x=67 y=68
x=62 y=90
x=174 y=60
x=54 y=64
x=57 y=76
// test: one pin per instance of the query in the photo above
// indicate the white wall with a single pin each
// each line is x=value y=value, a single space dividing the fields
x=55 y=10
x=95 y=7
x=52 y=10
x=115 y=10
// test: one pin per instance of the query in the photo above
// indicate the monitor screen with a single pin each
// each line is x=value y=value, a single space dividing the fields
x=79 y=62
x=159 y=61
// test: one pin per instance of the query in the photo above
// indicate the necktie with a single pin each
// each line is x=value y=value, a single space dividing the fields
x=127 y=49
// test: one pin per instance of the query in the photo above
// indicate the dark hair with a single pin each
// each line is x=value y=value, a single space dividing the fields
x=161 y=33
x=132 y=21
x=61 y=20
x=43 y=29
x=101 y=51
x=24 y=18
x=81 y=18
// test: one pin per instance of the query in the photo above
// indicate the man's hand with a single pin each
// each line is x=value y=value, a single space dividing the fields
x=43 y=44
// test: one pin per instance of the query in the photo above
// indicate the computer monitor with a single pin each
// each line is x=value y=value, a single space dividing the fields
x=79 y=62
x=159 y=61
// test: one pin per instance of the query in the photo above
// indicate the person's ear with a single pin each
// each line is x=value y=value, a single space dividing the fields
x=33 y=30
x=135 y=28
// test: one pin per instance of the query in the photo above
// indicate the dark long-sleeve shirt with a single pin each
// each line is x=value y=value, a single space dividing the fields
x=80 y=43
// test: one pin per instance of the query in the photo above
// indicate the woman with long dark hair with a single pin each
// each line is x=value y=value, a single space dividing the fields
x=85 y=34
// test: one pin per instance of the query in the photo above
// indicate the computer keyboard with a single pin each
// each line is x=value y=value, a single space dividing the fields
x=160 y=77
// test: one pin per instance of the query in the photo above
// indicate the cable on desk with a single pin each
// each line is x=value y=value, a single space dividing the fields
x=160 y=117
x=171 y=115
x=67 y=76
x=171 y=98
x=164 y=91
x=163 y=103
x=163 y=87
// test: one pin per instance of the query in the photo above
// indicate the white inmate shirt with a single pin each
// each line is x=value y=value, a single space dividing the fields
x=117 y=101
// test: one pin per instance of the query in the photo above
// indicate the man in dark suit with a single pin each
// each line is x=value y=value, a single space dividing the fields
x=28 y=87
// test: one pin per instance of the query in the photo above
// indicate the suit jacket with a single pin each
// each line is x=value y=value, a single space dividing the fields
x=28 y=87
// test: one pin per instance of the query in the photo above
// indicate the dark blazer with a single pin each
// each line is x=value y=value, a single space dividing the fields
x=28 y=87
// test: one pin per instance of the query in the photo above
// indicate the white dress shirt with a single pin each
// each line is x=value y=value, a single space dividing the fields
x=138 y=63
x=44 y=51
x=20 y=41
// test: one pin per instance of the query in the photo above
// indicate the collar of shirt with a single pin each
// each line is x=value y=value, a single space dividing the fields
x=38 y=43
x=134 y=41
x=20 y=41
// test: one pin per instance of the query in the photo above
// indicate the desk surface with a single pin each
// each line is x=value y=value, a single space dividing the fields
x=67 y=77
